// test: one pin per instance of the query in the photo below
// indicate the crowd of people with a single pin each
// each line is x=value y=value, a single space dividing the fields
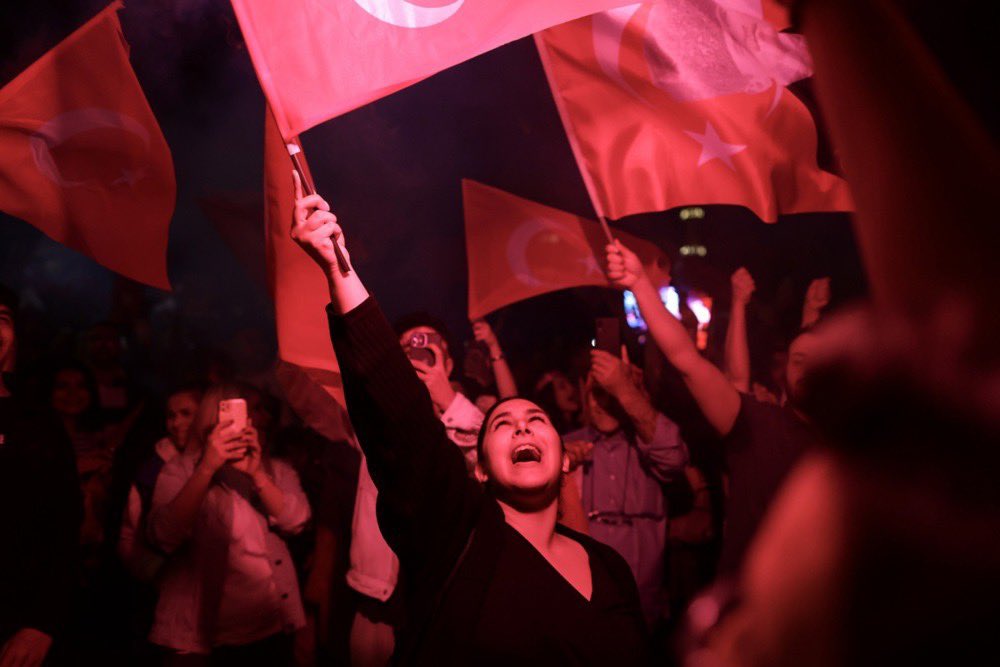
x=837 y=508
x=180 y=539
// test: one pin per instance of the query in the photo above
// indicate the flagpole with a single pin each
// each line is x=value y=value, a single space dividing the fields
x=607 y=230
x=309 y=189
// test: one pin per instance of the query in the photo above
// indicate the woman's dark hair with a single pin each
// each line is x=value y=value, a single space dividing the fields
x=545 y=398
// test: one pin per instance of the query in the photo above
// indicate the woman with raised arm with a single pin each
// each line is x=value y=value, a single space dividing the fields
x=492 y=578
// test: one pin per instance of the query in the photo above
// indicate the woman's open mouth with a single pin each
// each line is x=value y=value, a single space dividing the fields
x=526 y=453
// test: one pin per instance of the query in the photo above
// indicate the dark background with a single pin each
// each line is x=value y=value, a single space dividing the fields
x=392 y=172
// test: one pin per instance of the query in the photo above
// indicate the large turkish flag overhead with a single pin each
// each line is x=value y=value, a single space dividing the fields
x=518 y=249
x=82 y=157
x=317 y=59
x=685 y=102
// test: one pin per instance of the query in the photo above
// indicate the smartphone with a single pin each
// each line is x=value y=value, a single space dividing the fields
x=608 y=335
x=418 y=347
x=235 y=410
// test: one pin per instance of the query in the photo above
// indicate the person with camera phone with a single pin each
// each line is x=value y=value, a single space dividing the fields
x=228 y=590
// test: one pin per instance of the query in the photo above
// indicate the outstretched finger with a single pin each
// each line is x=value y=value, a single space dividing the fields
x=298 y=184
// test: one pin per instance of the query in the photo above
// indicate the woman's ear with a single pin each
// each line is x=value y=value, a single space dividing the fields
x=565 y=463
x=480 y=473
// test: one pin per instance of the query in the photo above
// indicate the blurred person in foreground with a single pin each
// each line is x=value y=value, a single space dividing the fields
x=491 y=577
x=40 y=511
x=883 y=547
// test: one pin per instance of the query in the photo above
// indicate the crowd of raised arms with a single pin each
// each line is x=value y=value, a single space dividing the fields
x=837 y=506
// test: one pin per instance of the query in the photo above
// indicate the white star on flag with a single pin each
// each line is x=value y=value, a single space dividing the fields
x=713 y=147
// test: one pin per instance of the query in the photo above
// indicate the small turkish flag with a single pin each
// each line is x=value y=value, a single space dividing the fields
x=317 y=59
x=518 y=249
x=685 y=102
x=82 y=157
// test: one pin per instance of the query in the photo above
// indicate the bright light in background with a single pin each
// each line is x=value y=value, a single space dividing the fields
x=692 y=213
x=672 y=300
x=701 y=306
x=697 y=250
x=702 y=313
x=668 y=295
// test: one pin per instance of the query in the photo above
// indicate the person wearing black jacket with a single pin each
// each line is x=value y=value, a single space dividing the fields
x=492 y=579
x=40 y=514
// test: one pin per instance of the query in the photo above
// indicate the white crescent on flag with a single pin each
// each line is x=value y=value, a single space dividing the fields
x=525 y=233
x=404 y=14
x=701 y=49
x=66 y=125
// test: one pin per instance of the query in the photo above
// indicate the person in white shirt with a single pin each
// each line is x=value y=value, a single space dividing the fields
x=228 y=589
x=374 y=568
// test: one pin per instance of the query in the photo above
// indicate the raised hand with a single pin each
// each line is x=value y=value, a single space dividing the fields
x=224 y=444
x=610 y=372
x=435 y=378
x=578 y=452
x=250 y=462
x=818 y=294
x=315 y=228
x=624 y=269
x=743 y=286
x=483 y=333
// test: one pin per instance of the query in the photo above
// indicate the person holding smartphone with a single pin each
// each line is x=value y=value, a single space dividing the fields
x=492 y=578
x=228 y=590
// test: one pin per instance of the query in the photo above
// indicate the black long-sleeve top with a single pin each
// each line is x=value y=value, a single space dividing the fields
x=477 y=591
x=40 y=513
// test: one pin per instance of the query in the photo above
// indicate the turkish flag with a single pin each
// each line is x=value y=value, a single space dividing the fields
x=518 y=249
x=685 y=102
x=317 y=59
x=82 y=157
x=307 y=368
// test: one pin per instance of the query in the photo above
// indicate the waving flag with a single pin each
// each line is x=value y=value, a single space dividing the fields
x=307 y=367
x=518 y=249
x=317 y=59
x=685 y=102
x=82 y=157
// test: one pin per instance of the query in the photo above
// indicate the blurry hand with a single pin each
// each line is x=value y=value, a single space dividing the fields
x=743 y=286
x=315 y=229
x=578 y=452
x=26 y=648
x=224 y=444
x=610 y=372
x=624 y=269
x=250 y=463
x=818 y=294
x=435 y=378
x=483 y=333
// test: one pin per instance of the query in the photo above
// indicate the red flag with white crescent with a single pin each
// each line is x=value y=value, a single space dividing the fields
x=518 y=249
x=82 y=157
x=317 y=59
x=686 y=102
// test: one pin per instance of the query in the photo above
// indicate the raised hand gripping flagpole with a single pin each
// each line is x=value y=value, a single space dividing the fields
x=307 y=186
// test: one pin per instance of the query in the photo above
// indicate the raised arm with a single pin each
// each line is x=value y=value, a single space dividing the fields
x=817 y=298
x=506 y=386
x=427 y=503
x=737 y=347
x=716 y=397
